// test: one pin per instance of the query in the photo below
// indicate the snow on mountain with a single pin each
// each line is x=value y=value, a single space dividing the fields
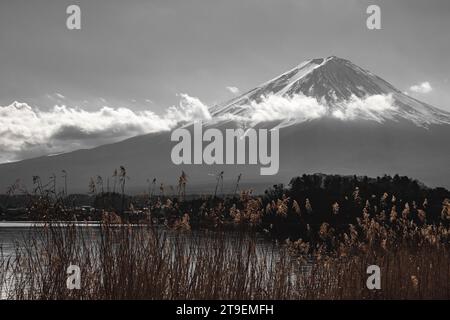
x=340 y=89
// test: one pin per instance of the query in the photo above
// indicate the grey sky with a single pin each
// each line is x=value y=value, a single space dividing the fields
x=138 y=50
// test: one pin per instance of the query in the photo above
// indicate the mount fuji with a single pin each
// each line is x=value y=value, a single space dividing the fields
x=334 y=117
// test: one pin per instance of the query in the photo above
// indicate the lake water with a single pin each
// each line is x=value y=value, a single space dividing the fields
x=12 y=234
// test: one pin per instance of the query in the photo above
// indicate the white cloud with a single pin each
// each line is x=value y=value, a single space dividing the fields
x=27 y=132
x=233 y=90
x=376 y=107
x=424 y=87
x=189 y=108
x=274 y=107
x=59 y=95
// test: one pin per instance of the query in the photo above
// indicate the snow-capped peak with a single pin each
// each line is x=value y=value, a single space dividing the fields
x=341 y=88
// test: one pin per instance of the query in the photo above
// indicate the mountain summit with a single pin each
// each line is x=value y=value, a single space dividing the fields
x=343 y=89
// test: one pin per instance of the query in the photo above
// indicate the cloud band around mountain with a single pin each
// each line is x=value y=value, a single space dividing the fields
x=27 y=132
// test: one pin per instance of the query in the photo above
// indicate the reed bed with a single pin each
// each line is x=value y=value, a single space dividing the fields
x=321 y=235
x=137 y=262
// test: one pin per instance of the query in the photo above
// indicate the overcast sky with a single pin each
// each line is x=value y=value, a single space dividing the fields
x=142 y=54
x=131 y=51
